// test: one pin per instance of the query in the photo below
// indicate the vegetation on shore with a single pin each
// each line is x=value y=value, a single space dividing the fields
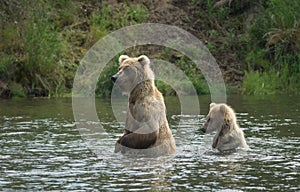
x=256 y=43
x=274 y=57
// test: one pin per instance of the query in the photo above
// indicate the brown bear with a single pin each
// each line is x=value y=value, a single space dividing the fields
x=146 y=127
x=222 y=119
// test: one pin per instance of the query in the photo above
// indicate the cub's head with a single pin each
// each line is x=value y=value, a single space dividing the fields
x=219 y=114
x=132 y=71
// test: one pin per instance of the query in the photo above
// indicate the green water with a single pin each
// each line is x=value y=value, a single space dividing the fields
x=41 y=149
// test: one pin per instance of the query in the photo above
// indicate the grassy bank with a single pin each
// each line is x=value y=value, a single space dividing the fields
x=274 y=54
x=256 y=43
x=41 y=47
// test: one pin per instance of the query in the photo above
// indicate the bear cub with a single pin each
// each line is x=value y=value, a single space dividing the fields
x=222 y=119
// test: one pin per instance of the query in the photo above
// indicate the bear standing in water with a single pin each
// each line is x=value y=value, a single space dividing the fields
x=146 y=127
x=221 y=118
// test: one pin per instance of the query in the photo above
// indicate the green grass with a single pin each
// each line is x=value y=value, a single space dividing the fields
x=16 y=90
x=5 y=63
x=40 y=54
x=43 y=49
x=108 y=19
x=42 y=42
x=275 y=50
x=260 y=83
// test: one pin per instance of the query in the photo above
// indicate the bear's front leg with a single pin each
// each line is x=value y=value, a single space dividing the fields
x=118 y=143
x=136 y=141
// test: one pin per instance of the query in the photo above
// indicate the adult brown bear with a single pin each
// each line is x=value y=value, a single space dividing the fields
x=146 y=127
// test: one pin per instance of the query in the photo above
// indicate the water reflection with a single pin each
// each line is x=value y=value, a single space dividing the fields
x=41 y=150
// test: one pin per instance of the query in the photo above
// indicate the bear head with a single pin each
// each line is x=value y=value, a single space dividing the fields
x=132 y=71
x=219 y=116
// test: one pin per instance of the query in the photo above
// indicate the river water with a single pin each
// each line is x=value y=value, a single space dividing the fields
x=41 y=149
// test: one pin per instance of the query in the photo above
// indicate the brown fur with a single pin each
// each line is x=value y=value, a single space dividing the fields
x=146 y=125
x=221 y=118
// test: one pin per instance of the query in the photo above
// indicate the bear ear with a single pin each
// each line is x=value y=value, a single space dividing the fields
x=223 y=108
x=123 y=58
x=144 y=60
x=212 y=105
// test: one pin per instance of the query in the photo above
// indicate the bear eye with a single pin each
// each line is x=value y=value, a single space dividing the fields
x=122 y=68
x=126 y=69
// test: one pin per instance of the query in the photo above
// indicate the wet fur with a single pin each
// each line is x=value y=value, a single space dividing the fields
x=228 y=136
x=146 y=124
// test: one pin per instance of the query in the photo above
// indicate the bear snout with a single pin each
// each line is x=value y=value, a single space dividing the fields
x=114 y=78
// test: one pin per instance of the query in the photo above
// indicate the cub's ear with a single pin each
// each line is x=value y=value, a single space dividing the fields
x=212 y=105
x=144 y=60
x=123 y=58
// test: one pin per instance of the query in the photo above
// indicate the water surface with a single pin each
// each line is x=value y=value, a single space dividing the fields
x=42 y=150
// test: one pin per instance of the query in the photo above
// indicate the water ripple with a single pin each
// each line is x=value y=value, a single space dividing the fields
x=50 y=154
